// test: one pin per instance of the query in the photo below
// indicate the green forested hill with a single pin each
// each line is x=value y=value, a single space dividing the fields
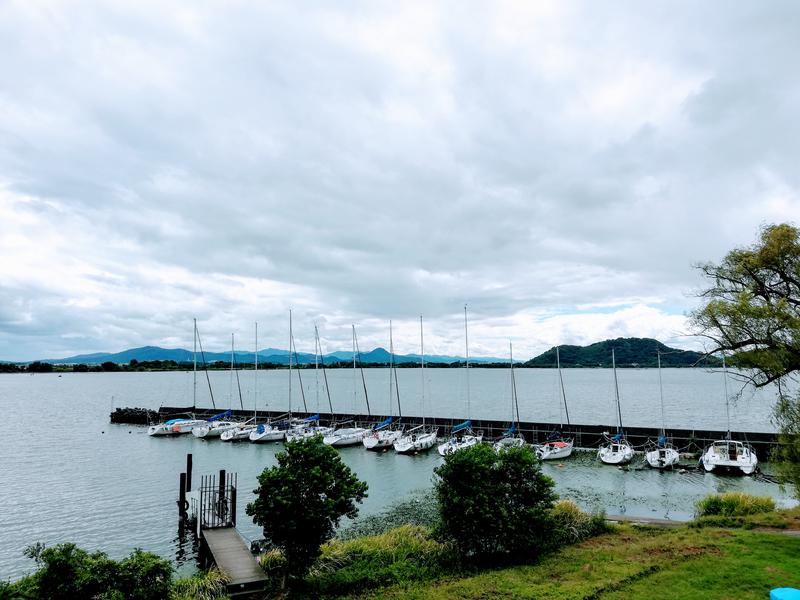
x=630 y=352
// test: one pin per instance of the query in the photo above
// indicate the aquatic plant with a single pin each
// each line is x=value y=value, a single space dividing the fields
x=734 y=504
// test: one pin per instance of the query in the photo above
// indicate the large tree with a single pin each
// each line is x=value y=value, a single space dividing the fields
x=751 y=312
x=300 y=501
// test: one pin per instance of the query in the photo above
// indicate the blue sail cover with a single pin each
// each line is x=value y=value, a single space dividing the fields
x=173 y=421
x=221 y=415
x=662 y=440
x=462 y=426
x=383 y=424
x=511 y=430
x=260 y=428
x=312 y=418
x=617 y=437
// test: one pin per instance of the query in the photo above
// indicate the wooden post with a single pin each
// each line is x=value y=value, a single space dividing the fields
x=189 y=472
x=182 y=496
x=233 y=505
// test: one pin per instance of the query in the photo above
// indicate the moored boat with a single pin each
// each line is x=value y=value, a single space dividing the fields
x=557 y=445
x=663 y=455
x=617 y=450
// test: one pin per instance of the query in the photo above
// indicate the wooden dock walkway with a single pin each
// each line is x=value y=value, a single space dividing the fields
x=233 y=557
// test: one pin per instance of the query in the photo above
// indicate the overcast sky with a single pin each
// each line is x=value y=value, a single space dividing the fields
x=557 y=166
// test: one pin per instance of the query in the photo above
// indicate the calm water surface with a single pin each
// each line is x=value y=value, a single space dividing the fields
x=71 y=476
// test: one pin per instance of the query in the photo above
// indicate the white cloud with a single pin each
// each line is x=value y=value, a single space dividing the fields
x=557 y=166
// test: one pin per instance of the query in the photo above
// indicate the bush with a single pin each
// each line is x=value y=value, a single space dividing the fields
x=405 y=553
x=494 y=506
x=300 y=501
x=572 y=525
x=67 y=572
x=208 y=585
x=734 y=504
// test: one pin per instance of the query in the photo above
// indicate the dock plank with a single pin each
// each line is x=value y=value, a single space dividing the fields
x=233 y=557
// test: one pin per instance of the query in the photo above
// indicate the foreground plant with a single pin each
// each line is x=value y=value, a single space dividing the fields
x=300 y=501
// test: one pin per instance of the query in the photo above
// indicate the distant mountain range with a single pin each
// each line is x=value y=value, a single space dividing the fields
x=630 y=352
x=268 y=355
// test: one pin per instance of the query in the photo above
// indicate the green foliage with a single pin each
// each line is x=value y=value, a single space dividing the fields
x=66 y=572
x=208 y=585
x=421 y=509
x=300 y=501
x=494 y=506
x=571 y=524
x=639 y=352
x=734 y=504
x=786 y=454
x=403 y=554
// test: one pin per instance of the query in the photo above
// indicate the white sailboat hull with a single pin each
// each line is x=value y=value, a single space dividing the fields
x=662 y=458
x=554 y=450
x=176 y=428
x=307 y=432
x=349 y=436
x=730 y=455
x=381 y=440
x=615 y=453
x=238 y=434
x=456 y=444
x=509 y=442
x=270 y=434
x=211 y=430
x=414 y=443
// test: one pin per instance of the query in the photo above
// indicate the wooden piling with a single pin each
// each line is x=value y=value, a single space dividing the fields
x=182 y=496
x=189 y=472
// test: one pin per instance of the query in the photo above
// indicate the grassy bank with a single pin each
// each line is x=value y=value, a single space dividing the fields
x=702 y=559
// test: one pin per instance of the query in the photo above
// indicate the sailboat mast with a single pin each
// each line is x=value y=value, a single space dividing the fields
x=255 y=379
x=561 y=384
x=391 y=368
x=727 y=406
x=324 y=375
x=355 y=378
x=194 y=368
x=616 y=390
x=230 y=398
x=290 y=361
x=466 y=358
x=661 y=396
x=422 y=368
x=514 y=400
x=361 y=368
x=394 y=371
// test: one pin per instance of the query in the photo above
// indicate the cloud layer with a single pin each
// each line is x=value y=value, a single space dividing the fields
x=558 y=166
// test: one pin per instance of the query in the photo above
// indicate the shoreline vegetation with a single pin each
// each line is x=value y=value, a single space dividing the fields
x=738 y=546
x=630 y=353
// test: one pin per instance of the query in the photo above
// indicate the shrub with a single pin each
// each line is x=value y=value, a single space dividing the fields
x=300 y=501
x=572 y=525
x=734 y=504
x=494 y=506
x=208 y=585
x=405 y=553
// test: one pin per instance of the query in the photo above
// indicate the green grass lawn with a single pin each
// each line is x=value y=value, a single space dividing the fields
x=637 y=563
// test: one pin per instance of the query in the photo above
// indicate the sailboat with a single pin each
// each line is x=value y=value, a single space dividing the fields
x=617 y=450
x=557 y=446
x=384 y=434
x=275 y=431
x=242 y=431
x=311 y=426
x=664 y=455
x=183 y=425
x=216 y=426
x=512 y=438
x=422 y=437
x=729 y=454
x=461 y=435
x=352 y=433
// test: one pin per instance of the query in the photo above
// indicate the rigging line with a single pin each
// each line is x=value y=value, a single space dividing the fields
x=394 y=370
x=361 y=368
x=299 y=377
x=616 y=389
x=514 y=383
x=422 y=369
x=238 y=383
x=324 y=374
x=208 y=379
x=561 y=380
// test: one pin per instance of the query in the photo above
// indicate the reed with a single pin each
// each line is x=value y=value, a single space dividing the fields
x=734 y=504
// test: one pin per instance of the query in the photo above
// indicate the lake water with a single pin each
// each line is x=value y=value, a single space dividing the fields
x=71 y=476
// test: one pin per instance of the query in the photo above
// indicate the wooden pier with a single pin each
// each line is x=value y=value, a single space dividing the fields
x=212 y=510
x=692 y=441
